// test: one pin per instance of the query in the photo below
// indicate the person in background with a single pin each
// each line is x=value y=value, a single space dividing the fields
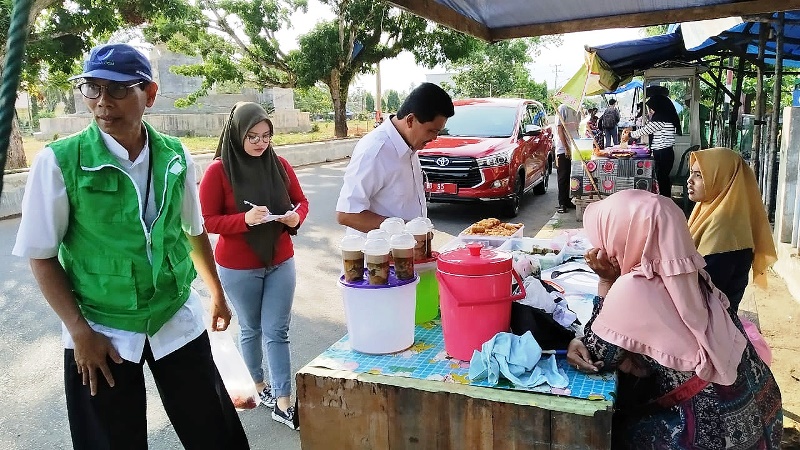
x=689 y=378
x=662 y=127
x=384 y=178
x=566 y=122
x=245 y=184
x=111 y=223
x=609 y=121
x=729 y=224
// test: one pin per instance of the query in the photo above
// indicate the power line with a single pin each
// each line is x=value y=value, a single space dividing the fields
x=555 y=71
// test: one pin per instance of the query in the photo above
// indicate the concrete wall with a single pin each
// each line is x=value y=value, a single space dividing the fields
x=297 y=155
x=208 y=124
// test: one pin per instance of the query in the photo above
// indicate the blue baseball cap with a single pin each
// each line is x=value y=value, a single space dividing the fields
x=116 y=62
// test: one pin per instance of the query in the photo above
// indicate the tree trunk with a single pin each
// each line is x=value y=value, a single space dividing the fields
x=339 y=104
x=15 y=158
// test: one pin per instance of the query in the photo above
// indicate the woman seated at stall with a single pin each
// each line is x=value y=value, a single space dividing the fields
x=729 y=223
x=684 y=351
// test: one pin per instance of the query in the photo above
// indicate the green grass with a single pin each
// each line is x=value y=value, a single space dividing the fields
x=355 y=128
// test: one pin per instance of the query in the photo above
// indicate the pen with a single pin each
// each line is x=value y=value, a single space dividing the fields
x=250 y=204
x=554 y=352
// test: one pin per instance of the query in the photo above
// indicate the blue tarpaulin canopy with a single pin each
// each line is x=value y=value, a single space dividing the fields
x=626 y=87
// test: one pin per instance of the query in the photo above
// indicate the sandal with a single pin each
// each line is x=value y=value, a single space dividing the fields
x=561 y=209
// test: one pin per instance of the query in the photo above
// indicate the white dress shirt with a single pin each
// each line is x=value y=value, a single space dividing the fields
x=384 y=176
x=45 y=217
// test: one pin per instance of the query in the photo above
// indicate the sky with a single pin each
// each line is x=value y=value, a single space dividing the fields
x=554 y=65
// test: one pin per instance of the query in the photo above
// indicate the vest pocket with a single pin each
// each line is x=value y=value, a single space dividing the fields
x=181 y=265
x=105 y=283
x=100 y=198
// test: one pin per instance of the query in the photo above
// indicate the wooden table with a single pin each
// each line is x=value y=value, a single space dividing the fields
x=343 y=410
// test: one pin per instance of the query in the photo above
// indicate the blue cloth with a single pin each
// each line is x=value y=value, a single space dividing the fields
x=516 y=358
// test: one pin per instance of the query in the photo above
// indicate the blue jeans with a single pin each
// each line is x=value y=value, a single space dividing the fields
x=611 y=136
x=263 y=300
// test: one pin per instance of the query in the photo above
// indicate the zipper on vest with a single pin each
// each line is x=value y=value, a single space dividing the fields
x=164 y=192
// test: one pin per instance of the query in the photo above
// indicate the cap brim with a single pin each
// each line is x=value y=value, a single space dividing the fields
x=108 y=75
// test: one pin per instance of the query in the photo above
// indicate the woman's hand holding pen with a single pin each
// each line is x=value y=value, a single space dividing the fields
x=256 y=214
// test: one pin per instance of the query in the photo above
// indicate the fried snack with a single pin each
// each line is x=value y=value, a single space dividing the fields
x=493 y=227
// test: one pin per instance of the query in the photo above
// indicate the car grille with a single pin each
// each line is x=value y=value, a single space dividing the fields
x=462 y=171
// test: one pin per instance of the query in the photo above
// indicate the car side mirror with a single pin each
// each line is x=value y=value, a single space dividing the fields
x=533 y=130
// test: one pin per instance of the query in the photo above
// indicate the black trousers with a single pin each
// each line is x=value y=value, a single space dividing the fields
x=190 y=388
x=564 y=165
x=664 y=159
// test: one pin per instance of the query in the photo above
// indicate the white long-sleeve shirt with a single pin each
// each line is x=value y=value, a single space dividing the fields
x=663 y=134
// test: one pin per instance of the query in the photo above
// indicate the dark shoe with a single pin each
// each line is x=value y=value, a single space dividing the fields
x=266 y=397
x=571 y=205
x=561 y=209
x=285 y=417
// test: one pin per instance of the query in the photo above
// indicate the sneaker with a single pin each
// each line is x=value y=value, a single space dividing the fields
x=266 y=397
x=287 y=418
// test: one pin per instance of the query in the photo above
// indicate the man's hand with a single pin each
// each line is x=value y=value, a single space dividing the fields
x=92 y=351
x=578 y=357
x=220 y=315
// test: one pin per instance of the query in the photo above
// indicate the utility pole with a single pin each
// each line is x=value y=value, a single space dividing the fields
x=555 y=71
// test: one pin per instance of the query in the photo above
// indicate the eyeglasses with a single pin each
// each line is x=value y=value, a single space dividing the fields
x=255 y=139
x=117 y=91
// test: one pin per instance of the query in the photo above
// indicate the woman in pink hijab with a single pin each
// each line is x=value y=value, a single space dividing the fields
x=689 y=378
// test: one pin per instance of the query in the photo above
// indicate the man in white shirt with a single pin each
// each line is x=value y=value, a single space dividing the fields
x=111 y=224
x=566 y=126
x=384 y=178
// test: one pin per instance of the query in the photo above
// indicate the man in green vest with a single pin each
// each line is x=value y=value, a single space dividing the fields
x=112 y=226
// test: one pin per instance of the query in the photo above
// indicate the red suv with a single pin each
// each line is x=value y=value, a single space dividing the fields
x=492 y=149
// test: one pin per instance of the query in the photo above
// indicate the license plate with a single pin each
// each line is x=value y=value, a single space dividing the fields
x=441 y=188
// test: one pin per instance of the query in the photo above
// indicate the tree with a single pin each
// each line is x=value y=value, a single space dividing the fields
x=60 y=33
x=392 y=100
x=369 y=101
x=364 y=33
x=315 y=100
x=498 y=70
x=655 y=30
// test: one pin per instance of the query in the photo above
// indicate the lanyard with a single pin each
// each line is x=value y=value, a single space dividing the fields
x=147 y=189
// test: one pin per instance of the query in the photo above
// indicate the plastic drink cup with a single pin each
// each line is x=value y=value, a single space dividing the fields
x=378 y=234
x=403 y=254
x=420 y=228
x=393 y=225
x=352 y=257
x=376 y=258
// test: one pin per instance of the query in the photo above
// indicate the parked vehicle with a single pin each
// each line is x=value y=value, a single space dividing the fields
x=493 y=149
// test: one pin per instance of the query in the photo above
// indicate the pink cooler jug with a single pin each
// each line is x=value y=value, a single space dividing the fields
x=475 y=297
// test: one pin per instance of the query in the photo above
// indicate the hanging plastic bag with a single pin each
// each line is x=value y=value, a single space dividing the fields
x=758 y=341
x=232 y=369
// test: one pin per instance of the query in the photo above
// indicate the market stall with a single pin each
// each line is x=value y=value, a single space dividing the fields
x=422 y=397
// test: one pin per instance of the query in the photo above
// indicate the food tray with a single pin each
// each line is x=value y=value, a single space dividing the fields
x=517 y=233
x=526 y=244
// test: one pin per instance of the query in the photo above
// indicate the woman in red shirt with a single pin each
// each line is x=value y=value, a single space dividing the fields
x=251 y=197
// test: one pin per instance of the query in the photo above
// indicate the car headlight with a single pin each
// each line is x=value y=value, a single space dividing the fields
x=499 y=159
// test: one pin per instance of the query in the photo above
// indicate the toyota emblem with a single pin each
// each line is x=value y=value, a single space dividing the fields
x=442 y=162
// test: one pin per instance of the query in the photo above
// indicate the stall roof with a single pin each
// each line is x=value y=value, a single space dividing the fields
x=627 y=57
x=506 y=19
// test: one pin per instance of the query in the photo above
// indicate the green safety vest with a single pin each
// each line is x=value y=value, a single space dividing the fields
x=106 y=246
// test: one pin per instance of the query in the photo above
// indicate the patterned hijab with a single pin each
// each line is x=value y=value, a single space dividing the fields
x=261 y=180
x=663 y=305
x=732 y=217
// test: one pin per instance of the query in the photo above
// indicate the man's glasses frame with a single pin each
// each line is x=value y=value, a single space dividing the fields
x=255 y=139
x=115 y=90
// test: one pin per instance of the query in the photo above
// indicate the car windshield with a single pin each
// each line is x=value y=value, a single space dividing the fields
x=481 y=121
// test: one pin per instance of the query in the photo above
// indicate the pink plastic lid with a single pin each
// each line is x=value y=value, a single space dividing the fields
x=474 y=260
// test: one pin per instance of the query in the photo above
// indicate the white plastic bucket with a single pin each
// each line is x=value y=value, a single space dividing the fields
x=380 y=319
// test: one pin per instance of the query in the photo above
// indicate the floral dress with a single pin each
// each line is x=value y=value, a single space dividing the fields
x=744 y=415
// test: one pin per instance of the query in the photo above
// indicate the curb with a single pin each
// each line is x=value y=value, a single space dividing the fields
x=296 y=154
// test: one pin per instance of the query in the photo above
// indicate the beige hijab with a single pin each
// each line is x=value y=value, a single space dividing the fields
x=732 y=217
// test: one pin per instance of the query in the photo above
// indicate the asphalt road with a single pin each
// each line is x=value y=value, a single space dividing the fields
x=33 y=412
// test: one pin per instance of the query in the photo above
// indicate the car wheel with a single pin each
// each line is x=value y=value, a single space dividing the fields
x=511 y=207
x=541 y=188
